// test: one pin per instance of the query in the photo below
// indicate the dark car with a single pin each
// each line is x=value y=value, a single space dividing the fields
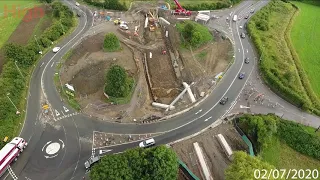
x=242 y=75
x=242 y=35
x=247 y=16
x=91 y=161
x=78 y=14
x=224 y=100
x=246 y=60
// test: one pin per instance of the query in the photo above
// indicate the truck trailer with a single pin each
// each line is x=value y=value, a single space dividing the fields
x=10 y=153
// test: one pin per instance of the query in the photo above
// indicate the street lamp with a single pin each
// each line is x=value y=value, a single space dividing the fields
x=13 y=104
x=15 y=62
x=40 y=52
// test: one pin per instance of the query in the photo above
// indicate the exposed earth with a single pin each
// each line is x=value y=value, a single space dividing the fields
x=215 y=158
x=158 y=77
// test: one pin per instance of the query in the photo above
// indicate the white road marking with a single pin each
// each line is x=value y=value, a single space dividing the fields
x=247 y=51
x=207 y=118
x=62 y=143
x=239 y=50
x=52 y=64
x=65 y=109
x=13 y=175
x=53 y=148
x=198 y=111
x=57 y=113
x=42 y=64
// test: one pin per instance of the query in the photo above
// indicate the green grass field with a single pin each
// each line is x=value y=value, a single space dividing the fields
x=305 y=36
x=281 y=156
x=9 y=24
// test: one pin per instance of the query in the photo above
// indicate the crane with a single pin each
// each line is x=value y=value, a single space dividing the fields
x=180 y=10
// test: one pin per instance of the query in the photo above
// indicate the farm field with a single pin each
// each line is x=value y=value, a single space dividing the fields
x=10 y=23
x=305 y=36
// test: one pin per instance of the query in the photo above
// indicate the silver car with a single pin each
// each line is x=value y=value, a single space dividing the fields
x=91 y=161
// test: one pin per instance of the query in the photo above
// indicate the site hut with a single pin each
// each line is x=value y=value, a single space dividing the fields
x=203 y=17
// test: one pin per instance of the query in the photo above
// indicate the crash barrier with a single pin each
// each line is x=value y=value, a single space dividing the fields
x=186 y=171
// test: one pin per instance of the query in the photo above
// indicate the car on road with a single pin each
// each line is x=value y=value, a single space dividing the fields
x=242 y=35
x=56 y=49
x=147 y=143
x=252 y=11
x=242 y=75
x=246 y=60
x=77 y=4
x=224 y=100
x=247 y=16
x=91 y=161
x=240 y=27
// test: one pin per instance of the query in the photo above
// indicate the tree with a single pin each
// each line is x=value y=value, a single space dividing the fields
x=243 y=167
x=117 y=82
x=155 y=163
x=111 y=42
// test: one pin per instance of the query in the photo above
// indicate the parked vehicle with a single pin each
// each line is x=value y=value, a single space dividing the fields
x=243 y=35
x=10 y=152
x=224 y=100
x=247 y=16
x=91 y=161
x=77 y=4
x=147 y=143
x=252 y=11
x=124 y=26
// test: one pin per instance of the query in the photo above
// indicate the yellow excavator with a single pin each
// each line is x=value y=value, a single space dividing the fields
x=117 y=21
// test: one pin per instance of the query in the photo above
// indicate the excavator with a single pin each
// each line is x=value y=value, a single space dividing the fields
x=180 y=10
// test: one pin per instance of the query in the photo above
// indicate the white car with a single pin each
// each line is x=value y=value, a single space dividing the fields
x=240 y=27
x=147 y=143
x=124 y=26
x=55 y=49
x=77 y=4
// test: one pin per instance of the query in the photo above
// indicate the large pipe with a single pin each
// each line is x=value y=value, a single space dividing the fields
x=176 y=99
x=164 y=20
x=146 y=22
x=191 y=96
x=164 y=106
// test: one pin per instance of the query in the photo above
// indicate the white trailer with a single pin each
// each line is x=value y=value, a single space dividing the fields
x=10 y=152
x=225 y=146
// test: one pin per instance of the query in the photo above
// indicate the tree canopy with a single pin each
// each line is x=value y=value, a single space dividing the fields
x=111 y=42
x=117 y=84
x=244 y=165
x=144 y=164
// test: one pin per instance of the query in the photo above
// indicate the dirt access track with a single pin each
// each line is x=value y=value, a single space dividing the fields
x=158 y=77
x=25 y=30
x=216 y=159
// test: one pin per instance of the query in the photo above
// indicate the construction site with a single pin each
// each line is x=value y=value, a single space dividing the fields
x=168 y=78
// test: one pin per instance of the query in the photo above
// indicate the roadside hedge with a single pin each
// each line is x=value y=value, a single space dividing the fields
x=205 y=5
x=12 y=83
x=281 y=69
x=299 y=139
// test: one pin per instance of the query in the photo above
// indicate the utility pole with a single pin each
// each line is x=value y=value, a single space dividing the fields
x=40 y=52
x=13 y=103
x=15 y=62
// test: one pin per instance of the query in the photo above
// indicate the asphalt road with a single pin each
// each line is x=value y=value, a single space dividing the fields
x=58 y=147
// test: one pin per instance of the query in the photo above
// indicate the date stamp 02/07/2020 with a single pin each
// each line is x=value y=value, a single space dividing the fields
x=286 y=174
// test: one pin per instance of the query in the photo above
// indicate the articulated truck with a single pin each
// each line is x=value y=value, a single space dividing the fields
x=10 y=153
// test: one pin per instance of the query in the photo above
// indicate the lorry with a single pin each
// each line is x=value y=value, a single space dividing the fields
x=10 y=153
x=235 y=18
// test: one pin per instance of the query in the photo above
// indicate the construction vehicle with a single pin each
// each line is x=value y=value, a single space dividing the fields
x=10 y=152
x=180 y=10
x=117 y=21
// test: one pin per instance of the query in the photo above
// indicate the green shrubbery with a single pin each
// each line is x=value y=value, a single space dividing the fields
x=111 y=43
x=194 y=34
x=205 y=5
x=157 y=163
x=264 y=127
x=108 y=4
x=118 y=84
x=11 y=80
x=244 y=165
x=299 y=139
x=279 y=65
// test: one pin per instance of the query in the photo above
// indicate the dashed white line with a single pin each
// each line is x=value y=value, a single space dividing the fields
x=208 y=118
x=52 y=64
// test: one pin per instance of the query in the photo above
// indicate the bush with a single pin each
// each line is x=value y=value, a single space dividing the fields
x=260 y=127
x=108 y=4
x=299 y=139
x=118 y=84
x=111 y=43
x=157 y=163
x=194 y=34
